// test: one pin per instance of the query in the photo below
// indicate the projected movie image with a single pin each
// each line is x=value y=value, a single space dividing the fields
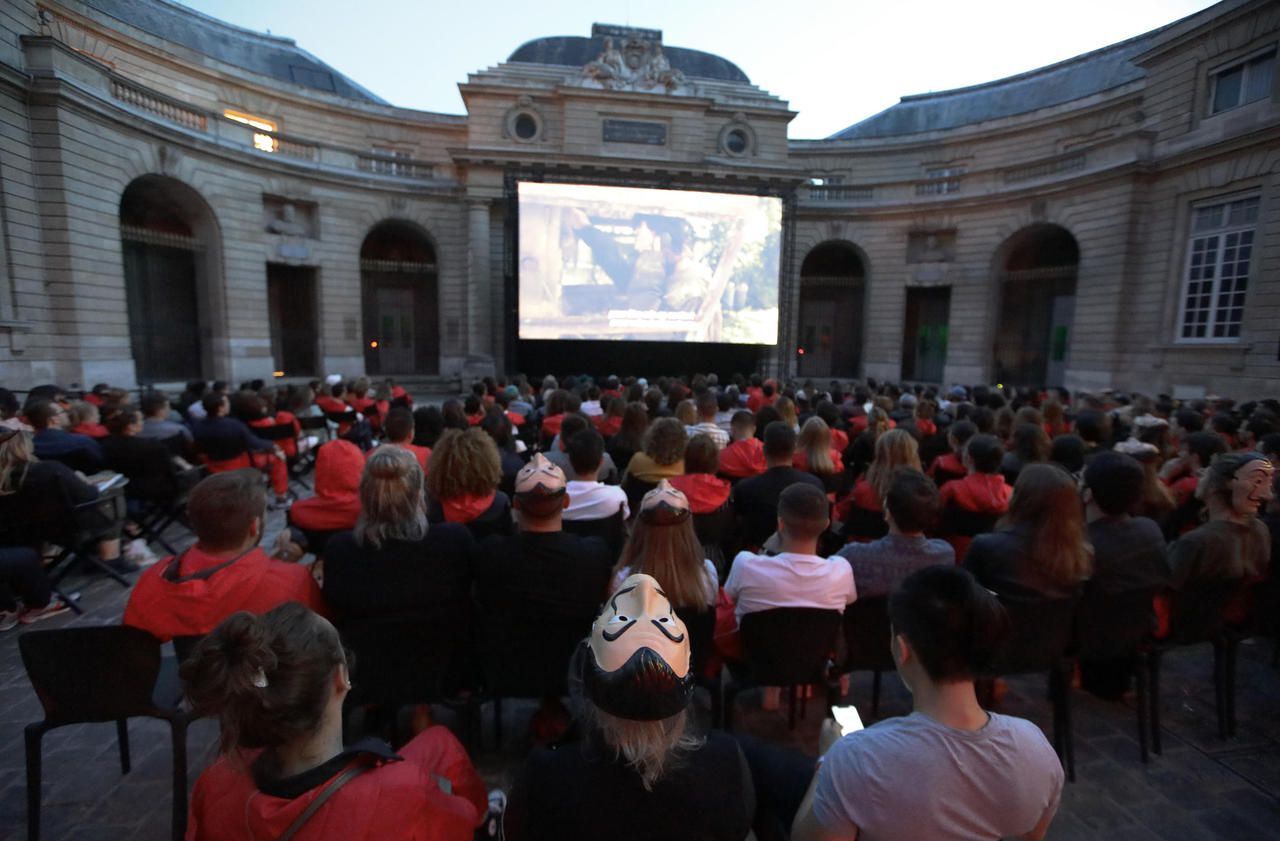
x=627 y=263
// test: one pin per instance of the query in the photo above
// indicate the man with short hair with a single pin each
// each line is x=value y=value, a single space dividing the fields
x=983 y=493
x=571 y=425
x=543 y=564
x=590 y=499
x=797 y=576
x=745 y=455
x=756 y=499
x=1128 y=556
x=225 y=571
x=950 y=770
x=155 y=419
x=52 y=441
x=219 y=432
x=706 y=425
x=910 y=507
x=397 y=426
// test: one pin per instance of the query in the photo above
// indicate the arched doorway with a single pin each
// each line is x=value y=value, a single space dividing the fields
x=1037 y=269
x=401 y=312
x=169 y=241
x=832 y=282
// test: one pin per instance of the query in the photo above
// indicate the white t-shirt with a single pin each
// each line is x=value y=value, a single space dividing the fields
x=594 y=501
x=710 y=580
x=591 y=408
x=763 y=582
x=909 y=778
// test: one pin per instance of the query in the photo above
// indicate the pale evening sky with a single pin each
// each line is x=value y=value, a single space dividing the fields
x=835 y=61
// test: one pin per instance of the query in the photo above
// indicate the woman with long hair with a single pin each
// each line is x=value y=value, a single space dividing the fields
x=862 y=511
x=1040 y=550
x=629 y=439
x=276 y=684
x=392 y=563
x=787 y=411
x=1029 y=445
x=663 y=544
x=814 y=453
x=466 y=470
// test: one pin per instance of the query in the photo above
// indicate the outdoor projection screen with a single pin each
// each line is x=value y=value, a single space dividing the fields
x=639 y=264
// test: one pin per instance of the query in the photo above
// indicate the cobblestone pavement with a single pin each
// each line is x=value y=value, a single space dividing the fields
x=1200 y=788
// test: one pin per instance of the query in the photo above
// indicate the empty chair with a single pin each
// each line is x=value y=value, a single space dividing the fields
x=786 y=646
x=101 y=674
x=866 y=639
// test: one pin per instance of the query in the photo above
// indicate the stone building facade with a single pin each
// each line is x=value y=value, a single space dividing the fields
x=181 y=198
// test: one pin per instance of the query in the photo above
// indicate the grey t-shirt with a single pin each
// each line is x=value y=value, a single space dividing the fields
x=911 y=778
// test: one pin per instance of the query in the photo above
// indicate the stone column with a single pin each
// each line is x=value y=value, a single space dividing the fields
x=480 y=320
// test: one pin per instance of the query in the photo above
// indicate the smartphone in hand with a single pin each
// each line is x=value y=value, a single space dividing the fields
x=847 y=718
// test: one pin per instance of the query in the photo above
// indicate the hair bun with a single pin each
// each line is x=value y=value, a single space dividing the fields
x=224 y=665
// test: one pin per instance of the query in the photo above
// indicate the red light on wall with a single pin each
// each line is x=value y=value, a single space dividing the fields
x=800 y=351
x=373 y=344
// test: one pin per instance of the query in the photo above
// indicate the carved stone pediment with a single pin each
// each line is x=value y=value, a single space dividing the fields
x=632 y=60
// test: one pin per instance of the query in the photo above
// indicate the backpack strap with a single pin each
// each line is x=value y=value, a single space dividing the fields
x=354 y=770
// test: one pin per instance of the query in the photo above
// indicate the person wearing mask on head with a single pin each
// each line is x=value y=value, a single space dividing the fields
x=664 y=545
x=639 y=757
x=276 y=684
x=950 y=770
x=225 y=571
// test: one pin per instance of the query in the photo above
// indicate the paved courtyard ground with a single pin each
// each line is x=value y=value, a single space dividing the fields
x=1201 y=788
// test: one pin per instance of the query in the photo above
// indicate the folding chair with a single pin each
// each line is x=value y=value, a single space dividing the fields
x=101 y=674
x=785 y=646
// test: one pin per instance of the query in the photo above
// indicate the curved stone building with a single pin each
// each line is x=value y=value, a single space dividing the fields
x=182 y=198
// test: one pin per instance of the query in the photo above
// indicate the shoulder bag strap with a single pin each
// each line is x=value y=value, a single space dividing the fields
x=330 y=790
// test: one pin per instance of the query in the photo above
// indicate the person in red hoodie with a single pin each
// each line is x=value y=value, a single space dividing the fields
x=704 y=490
x=744 y=457
x=271 y=417
x=83 y=419
x=336 y=504
x=971 y=505
x=950 y=466
x=276 y=684
x=225 y=571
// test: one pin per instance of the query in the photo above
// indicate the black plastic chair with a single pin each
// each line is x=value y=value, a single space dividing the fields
x=101 y=674
x=635 y=489
x=1039 y=641
x=525 y=653
x=405 y=660
x=701 y=627
x=1117 y=627
x=785 y=646
x=866 y=641
x=865 y=524
x=612 y=530
x=1198 y=615
x=714 y=529
x=40 y=514
x=957 y=522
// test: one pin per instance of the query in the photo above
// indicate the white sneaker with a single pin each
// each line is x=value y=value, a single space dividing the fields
x=137 y=551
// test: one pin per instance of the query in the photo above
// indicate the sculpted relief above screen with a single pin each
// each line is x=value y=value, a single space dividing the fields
x=639 y=264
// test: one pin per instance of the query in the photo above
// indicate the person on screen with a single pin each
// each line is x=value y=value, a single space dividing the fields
x=639 y=268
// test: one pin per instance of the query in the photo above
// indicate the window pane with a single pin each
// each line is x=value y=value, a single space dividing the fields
x=1261 y=72
x=1226 y=91
x=1208 y=217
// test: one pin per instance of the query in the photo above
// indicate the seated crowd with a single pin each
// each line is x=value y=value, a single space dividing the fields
x=605 y=542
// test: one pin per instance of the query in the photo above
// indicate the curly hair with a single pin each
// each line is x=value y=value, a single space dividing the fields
x=664 y=441
x=464 y=463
